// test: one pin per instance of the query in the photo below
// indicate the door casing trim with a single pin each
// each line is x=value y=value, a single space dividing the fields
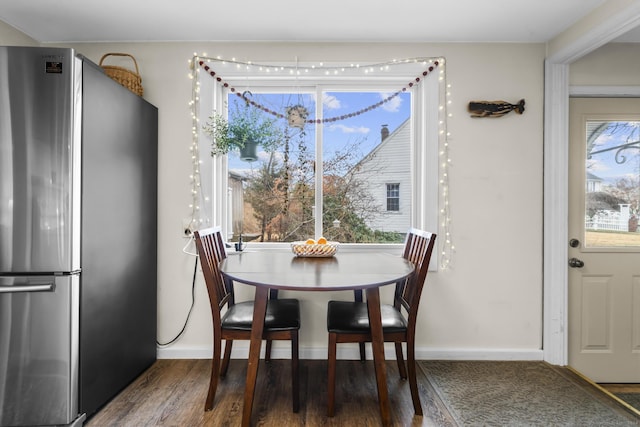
x=605 y=24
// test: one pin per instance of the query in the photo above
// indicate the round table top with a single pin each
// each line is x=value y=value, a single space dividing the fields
x=344 y=271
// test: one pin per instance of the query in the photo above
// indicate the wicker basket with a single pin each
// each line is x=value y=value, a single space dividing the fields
x=124 y=76
x=303 y=249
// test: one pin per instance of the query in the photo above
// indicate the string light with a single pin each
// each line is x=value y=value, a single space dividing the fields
x=448 y=249
x=320 y=66
x=415 y=81
x=198 y=63
x=195 y=219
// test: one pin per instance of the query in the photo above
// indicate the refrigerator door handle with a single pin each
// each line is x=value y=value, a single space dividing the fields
x=48 y=287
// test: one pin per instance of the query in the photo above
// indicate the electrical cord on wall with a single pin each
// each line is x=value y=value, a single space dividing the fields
x=193 y=301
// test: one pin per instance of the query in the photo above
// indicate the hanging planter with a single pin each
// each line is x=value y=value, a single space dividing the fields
x=249 y=153
x=244 y=131
x=296 y=116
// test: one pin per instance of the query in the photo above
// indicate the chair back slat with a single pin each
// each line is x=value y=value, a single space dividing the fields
x=418 y=248
x=211 y=251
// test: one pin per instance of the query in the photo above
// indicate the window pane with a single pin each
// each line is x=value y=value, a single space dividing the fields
x=273 y=190
x=362 y=152
x=612 y=184
x=277 y=190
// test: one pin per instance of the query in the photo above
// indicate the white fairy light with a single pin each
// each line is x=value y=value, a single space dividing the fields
x=194 y=177
x=299 y=69
x=448 y=248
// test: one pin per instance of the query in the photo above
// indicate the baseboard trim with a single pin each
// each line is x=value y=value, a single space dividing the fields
x=349 y=352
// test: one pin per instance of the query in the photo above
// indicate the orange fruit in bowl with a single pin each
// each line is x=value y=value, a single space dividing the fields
x=322 y=241
x=311 y=242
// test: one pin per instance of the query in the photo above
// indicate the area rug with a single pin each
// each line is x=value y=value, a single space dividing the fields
x=488 y=393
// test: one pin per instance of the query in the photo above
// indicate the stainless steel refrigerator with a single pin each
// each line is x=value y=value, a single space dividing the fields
x=78 y=197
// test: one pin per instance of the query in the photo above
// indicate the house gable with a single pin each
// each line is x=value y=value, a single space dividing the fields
x=388 y=163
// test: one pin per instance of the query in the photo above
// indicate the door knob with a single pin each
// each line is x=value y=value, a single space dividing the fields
x=576 y=263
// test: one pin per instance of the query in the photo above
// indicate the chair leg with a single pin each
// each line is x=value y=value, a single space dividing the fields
x=213 y=381
x=295 y=371
x=413 y=382
x=357 y=297
x=363 y=356
x=227 y=356
x=273 y=294
x=267 y=351
x=400 y=360
x=331 y=385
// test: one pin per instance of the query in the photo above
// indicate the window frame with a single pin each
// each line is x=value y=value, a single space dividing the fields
x=427 y=112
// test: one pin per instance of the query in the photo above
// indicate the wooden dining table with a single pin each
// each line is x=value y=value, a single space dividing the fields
x=348 y=271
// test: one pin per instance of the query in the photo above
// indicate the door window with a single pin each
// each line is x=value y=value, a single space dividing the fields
x=612 y=189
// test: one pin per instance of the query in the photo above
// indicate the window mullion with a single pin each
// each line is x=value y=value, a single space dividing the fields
x=319 y=167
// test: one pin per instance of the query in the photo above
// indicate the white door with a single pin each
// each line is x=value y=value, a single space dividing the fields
x=604 y=244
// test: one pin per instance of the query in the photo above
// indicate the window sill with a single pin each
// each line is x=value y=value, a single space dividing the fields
x=394 y=248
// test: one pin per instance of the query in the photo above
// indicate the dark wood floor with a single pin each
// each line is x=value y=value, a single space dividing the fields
x=172 y=393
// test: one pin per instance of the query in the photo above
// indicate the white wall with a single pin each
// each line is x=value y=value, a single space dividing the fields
x=614 y=64
x=489 y=303
x=9 y=36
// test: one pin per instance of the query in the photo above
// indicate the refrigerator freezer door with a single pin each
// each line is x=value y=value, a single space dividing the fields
x=38 y=160
x=119 y=238
x=38 y=350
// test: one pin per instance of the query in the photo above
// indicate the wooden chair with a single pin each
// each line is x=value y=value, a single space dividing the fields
x=282 y=320
x=347 y=321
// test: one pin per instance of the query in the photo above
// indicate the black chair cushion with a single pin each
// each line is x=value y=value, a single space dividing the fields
x=282 y=314
x=346 y=317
